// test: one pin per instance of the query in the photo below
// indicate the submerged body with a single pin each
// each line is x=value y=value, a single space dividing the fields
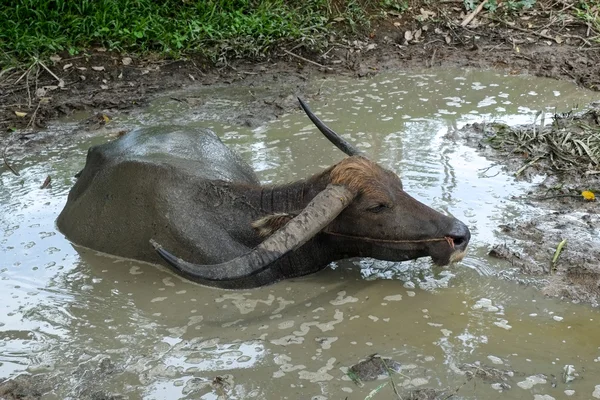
x=183 y=188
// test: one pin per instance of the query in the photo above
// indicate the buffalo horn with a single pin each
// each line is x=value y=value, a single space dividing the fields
x=323 y=209
x=333 y=137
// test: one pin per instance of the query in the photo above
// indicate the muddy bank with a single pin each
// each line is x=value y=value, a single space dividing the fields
x=561 y=244
x=531 y=41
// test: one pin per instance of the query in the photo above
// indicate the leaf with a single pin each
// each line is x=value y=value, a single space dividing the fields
x=126 y=60
x=100 y=68
x=418 y=34
x=588 y=195
x=586 y=149
x=557 y=252
x=20 y=114
x=408 y=36
x=67 y=66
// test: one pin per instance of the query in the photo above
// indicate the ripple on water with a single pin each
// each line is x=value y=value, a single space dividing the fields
x=64 y=307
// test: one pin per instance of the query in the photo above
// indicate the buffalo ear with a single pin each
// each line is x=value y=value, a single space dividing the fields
x=268 y=225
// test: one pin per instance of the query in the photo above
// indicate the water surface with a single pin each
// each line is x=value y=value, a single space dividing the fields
x=64 y=309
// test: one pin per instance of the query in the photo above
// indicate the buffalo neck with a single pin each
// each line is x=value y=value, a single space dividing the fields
x=288 y=198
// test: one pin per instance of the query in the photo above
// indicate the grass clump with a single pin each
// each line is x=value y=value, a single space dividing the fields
x=571 y=143
x=244 y=28
x=589 y=12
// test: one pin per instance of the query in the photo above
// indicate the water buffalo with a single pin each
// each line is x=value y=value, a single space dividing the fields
x=183 y=190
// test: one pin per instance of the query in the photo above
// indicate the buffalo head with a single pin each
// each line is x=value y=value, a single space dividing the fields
x=356 y=209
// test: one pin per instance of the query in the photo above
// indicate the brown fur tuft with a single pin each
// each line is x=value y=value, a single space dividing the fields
x=361 y=176
x=268 y=225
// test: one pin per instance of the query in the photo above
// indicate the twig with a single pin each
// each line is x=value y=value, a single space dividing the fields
x=556 y=196
x=470 y=17
x=584 y=40
x=516 y=28
x=568 y=73
x=432 y=58
x=47 y=183
x=60 y=81
x=307 y=60
x=31 y=121
x=5 y=71
x=25 y=73
x=7 y=164
x=28 y=91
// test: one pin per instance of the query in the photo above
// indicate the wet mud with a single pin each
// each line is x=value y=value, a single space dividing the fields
x=561 y=174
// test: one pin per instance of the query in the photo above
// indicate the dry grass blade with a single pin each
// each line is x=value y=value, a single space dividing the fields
x=570 y=143
x=587 y=150
x=376 y=390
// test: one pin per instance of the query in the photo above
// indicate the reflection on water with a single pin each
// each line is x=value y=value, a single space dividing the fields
x=67 y=310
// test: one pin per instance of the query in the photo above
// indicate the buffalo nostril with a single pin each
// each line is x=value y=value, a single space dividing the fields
x=458 y=241
x=460 y=234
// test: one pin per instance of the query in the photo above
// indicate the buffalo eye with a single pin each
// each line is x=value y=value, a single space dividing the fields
x=377 y=208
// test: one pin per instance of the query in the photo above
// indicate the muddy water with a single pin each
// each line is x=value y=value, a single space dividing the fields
x=65 y=310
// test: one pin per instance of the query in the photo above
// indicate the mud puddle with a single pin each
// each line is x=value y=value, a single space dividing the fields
x=95 y=326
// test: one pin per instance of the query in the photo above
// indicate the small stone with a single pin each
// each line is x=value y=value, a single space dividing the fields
x=495 y=360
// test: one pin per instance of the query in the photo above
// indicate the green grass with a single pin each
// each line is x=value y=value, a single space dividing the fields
x=589 y=12
x=248 y=28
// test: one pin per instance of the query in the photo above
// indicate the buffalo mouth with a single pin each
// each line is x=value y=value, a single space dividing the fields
x=449 y=251
x=443 y=251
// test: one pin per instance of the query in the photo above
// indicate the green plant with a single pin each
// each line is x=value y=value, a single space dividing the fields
x=244 y=27
x=589 y=12
x=508 y=5
x=396 y=5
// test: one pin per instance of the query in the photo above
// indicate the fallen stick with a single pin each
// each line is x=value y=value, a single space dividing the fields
x=32 y=120
x=7 y=164
x=25 y=73
x=516 y=28
x=306 y=60
x=61 y=83
x=470 y=17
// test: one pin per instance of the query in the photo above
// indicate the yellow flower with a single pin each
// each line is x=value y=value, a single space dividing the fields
x=588 y=195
